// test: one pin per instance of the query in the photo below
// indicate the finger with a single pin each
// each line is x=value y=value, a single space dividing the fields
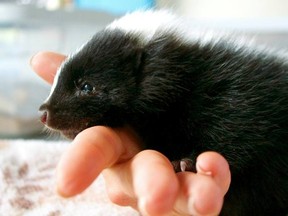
x=199 y=195
x=119 y=185
x=147 y=182
x=155 y=183
x=45 y=64
x=93 y=150
x=215 y=165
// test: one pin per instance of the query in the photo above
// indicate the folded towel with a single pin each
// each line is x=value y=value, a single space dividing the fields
x=27 y=184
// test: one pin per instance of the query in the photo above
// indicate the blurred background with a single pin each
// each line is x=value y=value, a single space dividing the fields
x=29 y=26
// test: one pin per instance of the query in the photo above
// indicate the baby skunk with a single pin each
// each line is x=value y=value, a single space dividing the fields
x=184 y=96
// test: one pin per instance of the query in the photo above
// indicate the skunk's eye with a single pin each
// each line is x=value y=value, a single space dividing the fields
x=86 y=88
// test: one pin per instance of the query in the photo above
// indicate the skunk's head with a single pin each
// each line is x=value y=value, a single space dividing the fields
x=98 y=84
x=94 y=86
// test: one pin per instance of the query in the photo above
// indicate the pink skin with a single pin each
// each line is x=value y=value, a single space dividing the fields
x=144 y=180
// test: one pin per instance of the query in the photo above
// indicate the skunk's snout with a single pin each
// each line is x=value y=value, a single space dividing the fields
x=43 y=117
x=44 y=113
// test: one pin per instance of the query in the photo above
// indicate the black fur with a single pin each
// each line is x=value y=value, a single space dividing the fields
x=183 y=99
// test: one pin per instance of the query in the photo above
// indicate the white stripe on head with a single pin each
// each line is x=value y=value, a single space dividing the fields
x=145 y=23
x=56 y=78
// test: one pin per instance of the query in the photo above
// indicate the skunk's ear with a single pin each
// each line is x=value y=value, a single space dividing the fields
x=138 y=61
x=159 y=85
x=130 y=61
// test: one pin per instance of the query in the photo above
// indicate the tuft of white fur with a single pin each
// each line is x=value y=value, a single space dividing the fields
x=150 y=23
x=145 y=23
x=55 y=81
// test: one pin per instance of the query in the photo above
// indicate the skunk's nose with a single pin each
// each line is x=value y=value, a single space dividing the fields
x=44 y=113
x=44 y=117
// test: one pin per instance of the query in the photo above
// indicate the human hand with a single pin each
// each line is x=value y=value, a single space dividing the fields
x=143 y=179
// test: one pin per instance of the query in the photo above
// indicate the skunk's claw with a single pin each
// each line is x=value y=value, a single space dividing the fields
x=184 y=165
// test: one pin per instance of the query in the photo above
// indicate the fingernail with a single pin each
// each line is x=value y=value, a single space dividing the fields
x=142 y=204
x=61 y=192
x=63 y=188
x=201 y=170
x=31 y=59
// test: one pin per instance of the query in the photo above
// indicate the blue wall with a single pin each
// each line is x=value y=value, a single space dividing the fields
x=115 y=6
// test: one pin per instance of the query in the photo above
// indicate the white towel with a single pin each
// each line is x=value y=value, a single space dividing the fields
x=27 y=184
